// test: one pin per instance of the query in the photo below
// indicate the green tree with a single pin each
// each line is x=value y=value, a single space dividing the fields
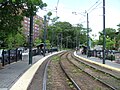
x=118 y=27
x=117 y=38
x=109 y=43
x=110 y=36
x=13 y=41
x=12 y=13
x=68 y=32
x=110 y=32
x=37 y=41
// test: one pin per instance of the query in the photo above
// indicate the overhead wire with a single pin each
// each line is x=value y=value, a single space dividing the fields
x=93 y=5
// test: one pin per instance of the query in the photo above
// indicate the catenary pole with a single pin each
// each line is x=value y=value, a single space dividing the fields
x=87 y=35
x=44 y=35
x=104 y=32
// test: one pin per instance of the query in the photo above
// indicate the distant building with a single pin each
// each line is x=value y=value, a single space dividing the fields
x=37 y=26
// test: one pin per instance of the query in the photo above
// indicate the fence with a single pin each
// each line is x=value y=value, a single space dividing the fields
x=109 y=54
x=9 y=56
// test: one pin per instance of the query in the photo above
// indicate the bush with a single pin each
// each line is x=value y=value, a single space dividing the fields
x=110 y=57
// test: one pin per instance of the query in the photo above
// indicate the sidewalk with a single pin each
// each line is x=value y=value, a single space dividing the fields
x=12 y=72
x=95 y=59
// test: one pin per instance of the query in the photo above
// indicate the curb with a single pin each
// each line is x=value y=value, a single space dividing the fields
x=24 y=81
x=102 y=65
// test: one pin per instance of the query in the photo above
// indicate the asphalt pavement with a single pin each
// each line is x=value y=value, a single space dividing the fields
x=10 y=73
x=96 y=59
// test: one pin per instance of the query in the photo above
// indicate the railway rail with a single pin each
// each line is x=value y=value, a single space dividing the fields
x=67 y=72
x=83 y=80
x=107 y=76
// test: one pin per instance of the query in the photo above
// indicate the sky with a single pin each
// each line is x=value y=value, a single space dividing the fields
x=66 y=7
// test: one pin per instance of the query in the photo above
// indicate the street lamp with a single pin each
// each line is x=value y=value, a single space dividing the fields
x=44 y=35
x=31 y=39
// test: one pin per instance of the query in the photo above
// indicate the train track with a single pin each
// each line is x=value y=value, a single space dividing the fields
x=66 y=72
x=70 y=78
x=83 y=80
x=106 y=76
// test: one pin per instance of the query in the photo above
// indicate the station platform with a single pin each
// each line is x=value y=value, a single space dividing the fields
x=108 y=63
x=18 y=75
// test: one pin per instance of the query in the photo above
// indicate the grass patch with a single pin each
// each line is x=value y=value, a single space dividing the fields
x=70 y=83
x=55 y=58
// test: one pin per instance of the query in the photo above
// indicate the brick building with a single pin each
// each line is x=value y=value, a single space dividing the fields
x=37 y=26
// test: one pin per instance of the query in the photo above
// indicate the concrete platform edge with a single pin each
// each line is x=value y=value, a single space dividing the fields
x=102 y=65
x=24 y=81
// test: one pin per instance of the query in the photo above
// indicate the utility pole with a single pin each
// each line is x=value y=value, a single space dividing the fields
x=76 y=38
x=44 y=35
x=52 y=42
x=104 y=32
x=67 y=43
x=60 y=41
x=87 y=35
x=31 y=39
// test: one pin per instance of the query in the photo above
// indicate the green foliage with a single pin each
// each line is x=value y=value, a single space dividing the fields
x=48 y=43
x=37 y=41
x=117 y=38
x=110 y=32
x=13 y=41
x=68 y=32
x=110 y=36
x=11 y=16
x=118 y=27
x=109 y=43
x=110 y=57
x=54 y=19
x=49 y=14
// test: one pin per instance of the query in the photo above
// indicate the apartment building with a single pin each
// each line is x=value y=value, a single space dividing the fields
x=37 y=26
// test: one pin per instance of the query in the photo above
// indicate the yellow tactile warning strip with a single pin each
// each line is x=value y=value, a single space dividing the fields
x=102 y=65
x=24 y=81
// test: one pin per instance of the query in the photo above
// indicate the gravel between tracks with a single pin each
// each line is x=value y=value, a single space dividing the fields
x=56 y=78
x=110 y=80
x=82 y=79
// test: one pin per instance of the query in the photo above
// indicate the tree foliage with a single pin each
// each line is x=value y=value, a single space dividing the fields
x=68 y=32
x=12 y=13
x=110 y=36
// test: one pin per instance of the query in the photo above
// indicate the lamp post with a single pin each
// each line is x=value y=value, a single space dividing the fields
x=60 y=41
x=30 y=39
x=52 y=42
x=104 y=32
x=44 y=35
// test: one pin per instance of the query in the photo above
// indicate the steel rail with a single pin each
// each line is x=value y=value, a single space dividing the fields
x=44 y=86
x=71 y=79
x=92 y=76
x=92 y=65
x=45 y=76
